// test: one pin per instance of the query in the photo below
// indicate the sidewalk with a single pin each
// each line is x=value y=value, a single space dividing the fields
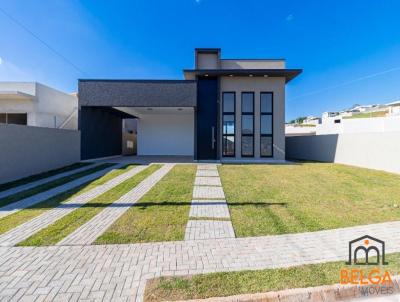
x=120 y=271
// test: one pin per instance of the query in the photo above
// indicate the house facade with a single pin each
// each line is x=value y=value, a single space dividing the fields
x=225 y=109
x=34 y=104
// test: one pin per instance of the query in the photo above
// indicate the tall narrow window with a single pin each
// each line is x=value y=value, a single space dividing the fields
x=228 y=120
x=266 y=124
x=247 y=124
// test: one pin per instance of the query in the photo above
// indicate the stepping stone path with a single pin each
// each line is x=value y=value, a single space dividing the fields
x=29 y=201
x=27 y=229
x=209 y=207
x=88 y=232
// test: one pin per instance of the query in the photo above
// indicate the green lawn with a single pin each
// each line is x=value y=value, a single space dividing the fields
x=302 y=197
x=246 y=282
x=69 y=223
x=161 y=214
x=367 y=115
x=50 y=185
x=13 y=220
x=35 y=177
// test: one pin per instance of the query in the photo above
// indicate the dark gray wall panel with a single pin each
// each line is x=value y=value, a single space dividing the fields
x=101 y=132
x=137 y=93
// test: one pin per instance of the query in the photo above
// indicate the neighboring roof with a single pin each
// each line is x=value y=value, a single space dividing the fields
x=137 y=93
x=395 y=103
x=288 y=74
x=16 y=95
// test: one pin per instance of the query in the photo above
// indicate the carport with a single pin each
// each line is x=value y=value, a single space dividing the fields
x=165 y=110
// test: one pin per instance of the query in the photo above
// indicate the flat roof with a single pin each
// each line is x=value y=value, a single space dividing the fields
x=288 y=74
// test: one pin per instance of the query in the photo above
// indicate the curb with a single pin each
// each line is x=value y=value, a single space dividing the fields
x=325 y=293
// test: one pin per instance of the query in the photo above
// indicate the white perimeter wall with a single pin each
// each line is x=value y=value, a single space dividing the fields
x=166 y=134
x=380 y=151
x=360 y=125
x=29 y=150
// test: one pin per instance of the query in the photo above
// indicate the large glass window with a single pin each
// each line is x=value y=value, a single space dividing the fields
x=266 y=124
x=228 y=127
x=247 y=124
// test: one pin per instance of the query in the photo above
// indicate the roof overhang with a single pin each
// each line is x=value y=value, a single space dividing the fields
x=16 y=95
x=288 y=74
x=137 y=93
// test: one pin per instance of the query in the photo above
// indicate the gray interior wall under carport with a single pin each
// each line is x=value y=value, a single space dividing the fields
x=101 y=132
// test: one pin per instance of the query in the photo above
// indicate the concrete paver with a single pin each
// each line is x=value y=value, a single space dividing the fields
x=42 y=181
x=207 y=229
x=120 y=271
x=29 y=201
x=88 y=232
x=207 y=181
x=209 y=208
x=30 y=227
x=208 y=192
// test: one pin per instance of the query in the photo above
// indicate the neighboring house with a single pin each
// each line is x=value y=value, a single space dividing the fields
x=224 y=109
x=312 y=120
x=34 y=104
x=394 y=108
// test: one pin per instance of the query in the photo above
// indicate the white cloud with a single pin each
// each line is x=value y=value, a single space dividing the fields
x=1 y=60
x=289 y=17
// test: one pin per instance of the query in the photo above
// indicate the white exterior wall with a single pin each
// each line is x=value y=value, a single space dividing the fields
x=360 y=125
x=166 y=134
x=257 y=85
x=369 y=150
x=29 y=150
x=48 y=108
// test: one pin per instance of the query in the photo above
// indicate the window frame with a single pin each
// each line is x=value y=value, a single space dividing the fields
x=229 y=113
x=272 y=122
x=241 y=120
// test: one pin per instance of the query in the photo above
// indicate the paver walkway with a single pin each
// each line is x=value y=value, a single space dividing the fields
x=27 y=229
x=119 y=272
x=88 y=232
x=210 y=206
x=42 y=181
x=29 y=201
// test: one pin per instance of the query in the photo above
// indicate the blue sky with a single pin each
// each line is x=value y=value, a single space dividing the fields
x=349 y=50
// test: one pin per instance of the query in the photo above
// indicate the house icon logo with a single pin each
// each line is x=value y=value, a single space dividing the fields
x=362 y=249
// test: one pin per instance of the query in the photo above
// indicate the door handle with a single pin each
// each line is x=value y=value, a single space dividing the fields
x=212 y=137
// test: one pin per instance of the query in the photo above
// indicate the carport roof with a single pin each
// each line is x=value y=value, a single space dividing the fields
x=137 y=93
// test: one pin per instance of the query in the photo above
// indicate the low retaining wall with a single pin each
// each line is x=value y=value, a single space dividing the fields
x=379 y=151
x=28 y=150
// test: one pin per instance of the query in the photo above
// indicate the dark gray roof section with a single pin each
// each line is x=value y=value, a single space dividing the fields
x=137 y=93
x=288 y=74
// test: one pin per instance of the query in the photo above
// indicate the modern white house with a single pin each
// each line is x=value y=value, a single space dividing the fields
x=34 y=104
x=224 y=109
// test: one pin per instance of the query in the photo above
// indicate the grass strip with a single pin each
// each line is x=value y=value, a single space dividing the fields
x=20 y=217
x=161 y=215
x=50 y=185
x=35 y=177
x=248 y=282
x=69 y=223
